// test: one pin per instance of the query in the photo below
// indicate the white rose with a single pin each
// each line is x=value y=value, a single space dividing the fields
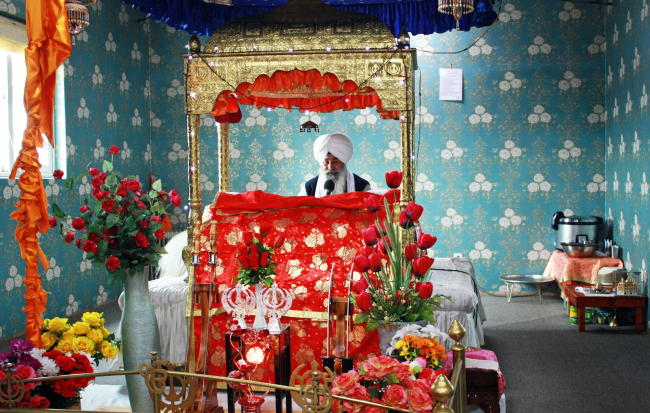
x=533 y=187
x=516 y=83
x=445 y=154
x=474 y=255
x=388 y=154
x=278 y=155
x=533 y=49
x=428 y=186
x=575 y=83
x=504 y=85
x=250 y=122
x=251 y=186
x=533 y=118
x=538 y=246
x=603 y=117
x=516 y=220
x=564 y=16
x=173 y=156
x=539 y=109
x=457 y=152
x=479 y=178
x=509 y=213
x=575 y=152
x=516 y=152
x=451 y=212
x=479 y=110
x=593 y=118
x=486 y=186
x=457 y=219
x=486 y=118
x=428 y=118
x=260 y=120
x=563 y=154
x=598 y=178
x=256 y=178
x=533 y=255
x=234 y=154
x=504 y=17
x=539 y=40
x=544 y=254
x=474 y=119
x=546 y=49
x=393 y=145
x=486 y=49
x=261 y=186
x=418 y=186
x=592 y=187
x=509 y=7
x=479 y=245
x=599 y=109
x=504 y=154
x=504 y=222
x=575 y=14
x=545 y=118
x=288 y=153
x=509 y=144
x=568 y=144
x=593 y=48
x=564 y=85
x=474 y=187
x=545 y=186
x=360 y=120
x=486 y=254
x=451 y=144
x=509 y=76
x=474 y=51
x=568 y=75
x=446 y=221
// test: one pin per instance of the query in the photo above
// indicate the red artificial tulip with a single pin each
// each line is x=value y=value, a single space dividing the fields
x=360 y=286
x=375 y=262
x=369 y=236
x=367 y=251
x=372 y=202
x=279 y=241
x=421 y=265
x=382 y=247
x=248 y=238
x=402 y=297
x=244 y=262
x=361 y=263
x=414 y=211
x=417 y=286
x=254 y=261
x=254 y=249
x=264 y=259
x=394 y=179
x=425 y=290
x=404 y=222
x=426 y=241
x=410 y=250
x=113 y=150
x=363 y=301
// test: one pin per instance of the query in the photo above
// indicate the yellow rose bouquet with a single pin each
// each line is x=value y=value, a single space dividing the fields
x=88 y=336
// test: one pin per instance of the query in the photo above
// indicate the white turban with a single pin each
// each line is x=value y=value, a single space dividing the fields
x=337 y=144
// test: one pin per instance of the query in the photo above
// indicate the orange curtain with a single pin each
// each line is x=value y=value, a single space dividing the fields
x=226 y=108
x=49 y=46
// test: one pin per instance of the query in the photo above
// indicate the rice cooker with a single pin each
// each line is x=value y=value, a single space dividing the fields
x=576 y=229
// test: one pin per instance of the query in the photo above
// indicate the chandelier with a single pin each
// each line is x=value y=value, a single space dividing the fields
x=457 y=8
x=77 y=15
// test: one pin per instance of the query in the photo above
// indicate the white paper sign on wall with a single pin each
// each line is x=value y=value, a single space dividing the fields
x=451 y=84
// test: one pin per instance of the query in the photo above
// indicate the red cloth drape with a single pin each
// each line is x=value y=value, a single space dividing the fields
x=49 y=46
x=311 y=90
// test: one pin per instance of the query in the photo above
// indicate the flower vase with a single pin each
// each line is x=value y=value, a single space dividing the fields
x=260 y=321
x=140 y=337
x=387 y=330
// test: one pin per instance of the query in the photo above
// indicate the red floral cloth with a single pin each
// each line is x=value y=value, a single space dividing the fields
x=320 y=233
x=564 y=268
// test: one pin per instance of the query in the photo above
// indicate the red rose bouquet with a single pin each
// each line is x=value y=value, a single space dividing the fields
x=390 y=289
x=256 y=259
x=387 y=381
x=119 y=226
x=25 y=367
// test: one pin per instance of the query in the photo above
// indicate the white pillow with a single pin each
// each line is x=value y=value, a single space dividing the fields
x=443 y=264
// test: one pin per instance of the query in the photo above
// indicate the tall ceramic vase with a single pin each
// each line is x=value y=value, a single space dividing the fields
x=140 y=337
x=260 y=321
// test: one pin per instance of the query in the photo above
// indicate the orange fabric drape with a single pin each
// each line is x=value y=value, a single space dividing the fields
x=274 y=91
x=49 y=46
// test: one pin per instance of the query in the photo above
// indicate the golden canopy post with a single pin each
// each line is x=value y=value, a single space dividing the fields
x=224 y=156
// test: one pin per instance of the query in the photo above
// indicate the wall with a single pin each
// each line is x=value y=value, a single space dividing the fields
x=527 y=140
x=107 y=103
x=628 y=139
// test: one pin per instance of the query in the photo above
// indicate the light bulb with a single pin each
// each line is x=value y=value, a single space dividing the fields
x=291 y=50
x=192 y=94
x=307 y=112
x=189 y=57
x=255 y=355
x=367 y=47
x=329 y=49
x=216 y=48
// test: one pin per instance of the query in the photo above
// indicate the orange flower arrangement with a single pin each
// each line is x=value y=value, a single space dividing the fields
x=412 y=347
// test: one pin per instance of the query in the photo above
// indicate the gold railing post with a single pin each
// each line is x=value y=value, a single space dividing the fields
x=224 y=156
x=441 y=391
x=156 y=397
x=457 y=332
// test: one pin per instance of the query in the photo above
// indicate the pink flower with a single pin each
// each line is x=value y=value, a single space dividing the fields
x=422 y=362
x=359 y=393
x=395 y=396
x=378 y=367
x=345 y=383
x=419 y=400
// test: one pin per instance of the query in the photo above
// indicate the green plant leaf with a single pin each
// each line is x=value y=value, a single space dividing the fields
x=111 y=180
x=69 y=184
x=372 y=325
x=268 y=281
x=107 y=167
x=129 y=225
x=111 y=220
x=157 y=185
x=57 y=211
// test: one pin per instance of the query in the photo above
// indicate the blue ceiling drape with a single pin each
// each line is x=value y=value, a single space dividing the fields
x=418 y=16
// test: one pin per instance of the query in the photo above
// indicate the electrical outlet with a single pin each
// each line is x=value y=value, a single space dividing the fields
x=458 y=255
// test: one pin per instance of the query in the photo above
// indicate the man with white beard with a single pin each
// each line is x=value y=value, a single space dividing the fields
x=333 y=152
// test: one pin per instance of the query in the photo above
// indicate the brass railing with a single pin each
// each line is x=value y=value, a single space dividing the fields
x=313 y=385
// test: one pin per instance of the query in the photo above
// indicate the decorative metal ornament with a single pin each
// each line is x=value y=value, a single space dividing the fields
x=78 y=18
x=308 y=126
x=457 y=8
x=240 y=302
x=275 y=302
x=403 y=39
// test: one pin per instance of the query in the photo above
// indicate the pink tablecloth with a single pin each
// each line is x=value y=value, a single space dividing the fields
x=564 y=268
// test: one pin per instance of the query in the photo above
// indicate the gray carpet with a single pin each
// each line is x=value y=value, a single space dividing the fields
x=550 y=366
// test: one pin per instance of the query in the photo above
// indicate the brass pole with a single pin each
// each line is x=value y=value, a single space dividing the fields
x=457 y=332
x=224 y=156
x=194 y=170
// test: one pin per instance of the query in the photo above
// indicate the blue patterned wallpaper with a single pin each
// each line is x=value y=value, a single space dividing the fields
x=528 y=139
x=628 y=140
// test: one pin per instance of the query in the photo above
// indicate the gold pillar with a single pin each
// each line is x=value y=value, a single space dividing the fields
x=224 y=156
x=457 y=332
x=406 y=124
x=194 y=161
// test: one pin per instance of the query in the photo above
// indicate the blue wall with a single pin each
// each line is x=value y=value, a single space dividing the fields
x=628 y=139
x=528 y=139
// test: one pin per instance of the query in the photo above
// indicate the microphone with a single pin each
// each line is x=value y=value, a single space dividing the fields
x=329 y=186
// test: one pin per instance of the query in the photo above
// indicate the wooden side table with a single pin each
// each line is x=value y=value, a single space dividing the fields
x=581 y=301
x=281 y=358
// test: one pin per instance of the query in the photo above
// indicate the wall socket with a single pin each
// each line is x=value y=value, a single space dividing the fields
x=458 y=255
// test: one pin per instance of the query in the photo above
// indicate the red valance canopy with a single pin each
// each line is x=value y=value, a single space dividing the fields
x=305 y=90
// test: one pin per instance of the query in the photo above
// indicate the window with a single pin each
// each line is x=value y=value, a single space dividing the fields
x=13 y=118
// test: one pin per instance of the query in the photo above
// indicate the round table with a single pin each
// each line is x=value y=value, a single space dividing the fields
x=511 y=280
